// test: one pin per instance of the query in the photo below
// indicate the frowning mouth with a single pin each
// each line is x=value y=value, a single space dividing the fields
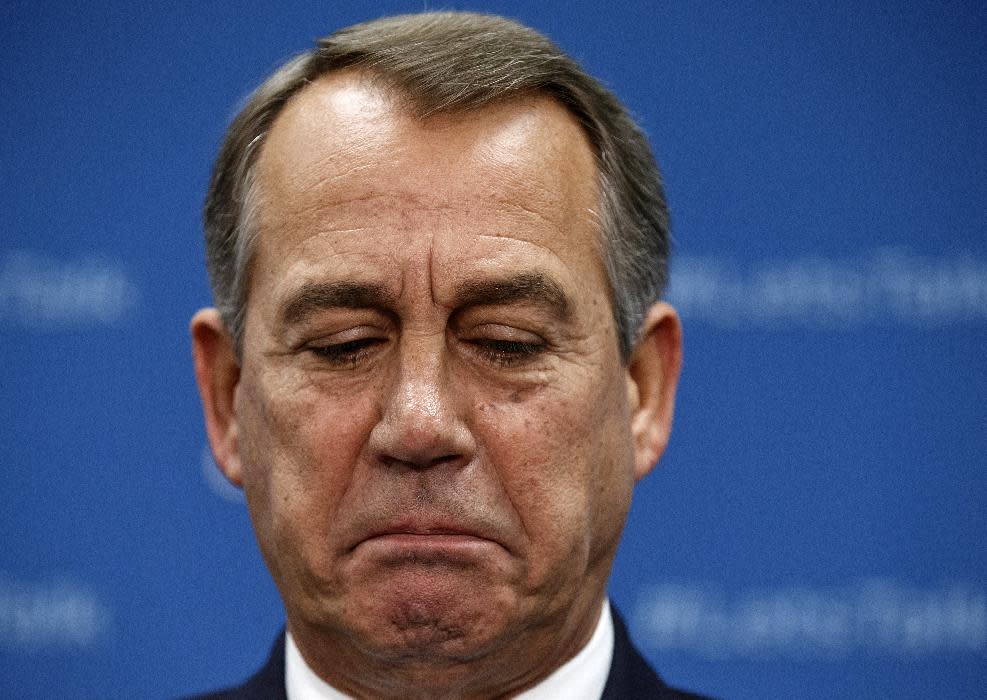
x=431 y=542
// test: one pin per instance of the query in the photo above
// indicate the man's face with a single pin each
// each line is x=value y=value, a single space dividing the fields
x=431 y=420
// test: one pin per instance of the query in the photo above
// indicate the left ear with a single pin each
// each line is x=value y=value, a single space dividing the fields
x=652 y=376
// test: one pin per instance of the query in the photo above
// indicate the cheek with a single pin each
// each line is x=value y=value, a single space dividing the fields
x=560 y=457
x=298 y=448
x=302 y=428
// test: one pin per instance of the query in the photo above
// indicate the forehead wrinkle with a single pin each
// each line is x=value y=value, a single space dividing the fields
x=326 y=177
x=411 y=204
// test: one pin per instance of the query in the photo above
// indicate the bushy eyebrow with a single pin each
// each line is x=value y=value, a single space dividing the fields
x=527 y=287
x=313 y=297
x=533 y=288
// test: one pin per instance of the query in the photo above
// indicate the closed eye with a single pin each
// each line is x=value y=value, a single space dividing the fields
x=346 y=353
x=507 y=352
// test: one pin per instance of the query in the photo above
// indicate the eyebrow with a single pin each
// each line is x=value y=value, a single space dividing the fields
x=313 y=297
x=526 y=287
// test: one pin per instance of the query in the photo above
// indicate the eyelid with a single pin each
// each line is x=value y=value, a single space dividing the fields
x=354 y=335
x=349 y=348
x=503 y=331
x=347 y=335
x=504 y=345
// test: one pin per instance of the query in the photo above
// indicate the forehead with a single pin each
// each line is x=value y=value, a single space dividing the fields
x=347 y=161
x=348 y=132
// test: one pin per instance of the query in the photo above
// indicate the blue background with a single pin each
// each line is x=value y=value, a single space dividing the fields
x=817 y=527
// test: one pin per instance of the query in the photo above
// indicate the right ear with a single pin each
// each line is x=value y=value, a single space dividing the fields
x=217 y=372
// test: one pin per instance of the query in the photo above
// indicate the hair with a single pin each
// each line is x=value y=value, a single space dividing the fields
x=448 y=62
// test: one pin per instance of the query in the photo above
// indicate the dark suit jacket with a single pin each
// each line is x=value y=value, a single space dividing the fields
x=631 y=678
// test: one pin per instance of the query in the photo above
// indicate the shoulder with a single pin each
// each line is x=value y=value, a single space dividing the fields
x=266 y=684
x=631 y=677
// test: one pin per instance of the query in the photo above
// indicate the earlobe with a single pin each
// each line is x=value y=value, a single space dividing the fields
x=653 y=373
x=217 y=373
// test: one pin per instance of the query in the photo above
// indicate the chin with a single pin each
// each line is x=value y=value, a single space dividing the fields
x=429 y=615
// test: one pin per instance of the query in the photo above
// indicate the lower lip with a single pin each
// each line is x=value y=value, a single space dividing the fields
x=426 y=548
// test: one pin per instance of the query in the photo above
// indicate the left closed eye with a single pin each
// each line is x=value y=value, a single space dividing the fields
x=505 y=346
x=346 y=353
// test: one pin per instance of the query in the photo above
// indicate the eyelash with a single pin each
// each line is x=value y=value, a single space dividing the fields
x=508 y=352
x=348 y=353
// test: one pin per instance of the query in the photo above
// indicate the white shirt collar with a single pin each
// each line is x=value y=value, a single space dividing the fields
x=581 y=678
x=300 y=681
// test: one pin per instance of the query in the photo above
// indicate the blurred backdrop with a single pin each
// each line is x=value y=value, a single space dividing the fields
x=817 y=528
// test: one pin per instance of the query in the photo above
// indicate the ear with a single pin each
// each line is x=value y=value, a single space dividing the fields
x=217 y=372
x=652 y=377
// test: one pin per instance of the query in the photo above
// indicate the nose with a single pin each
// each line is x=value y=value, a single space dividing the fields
x=421 y=423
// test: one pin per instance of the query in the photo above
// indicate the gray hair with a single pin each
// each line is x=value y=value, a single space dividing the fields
x=450 y=62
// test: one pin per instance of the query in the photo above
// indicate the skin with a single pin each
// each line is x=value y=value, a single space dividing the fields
x=430 y=418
